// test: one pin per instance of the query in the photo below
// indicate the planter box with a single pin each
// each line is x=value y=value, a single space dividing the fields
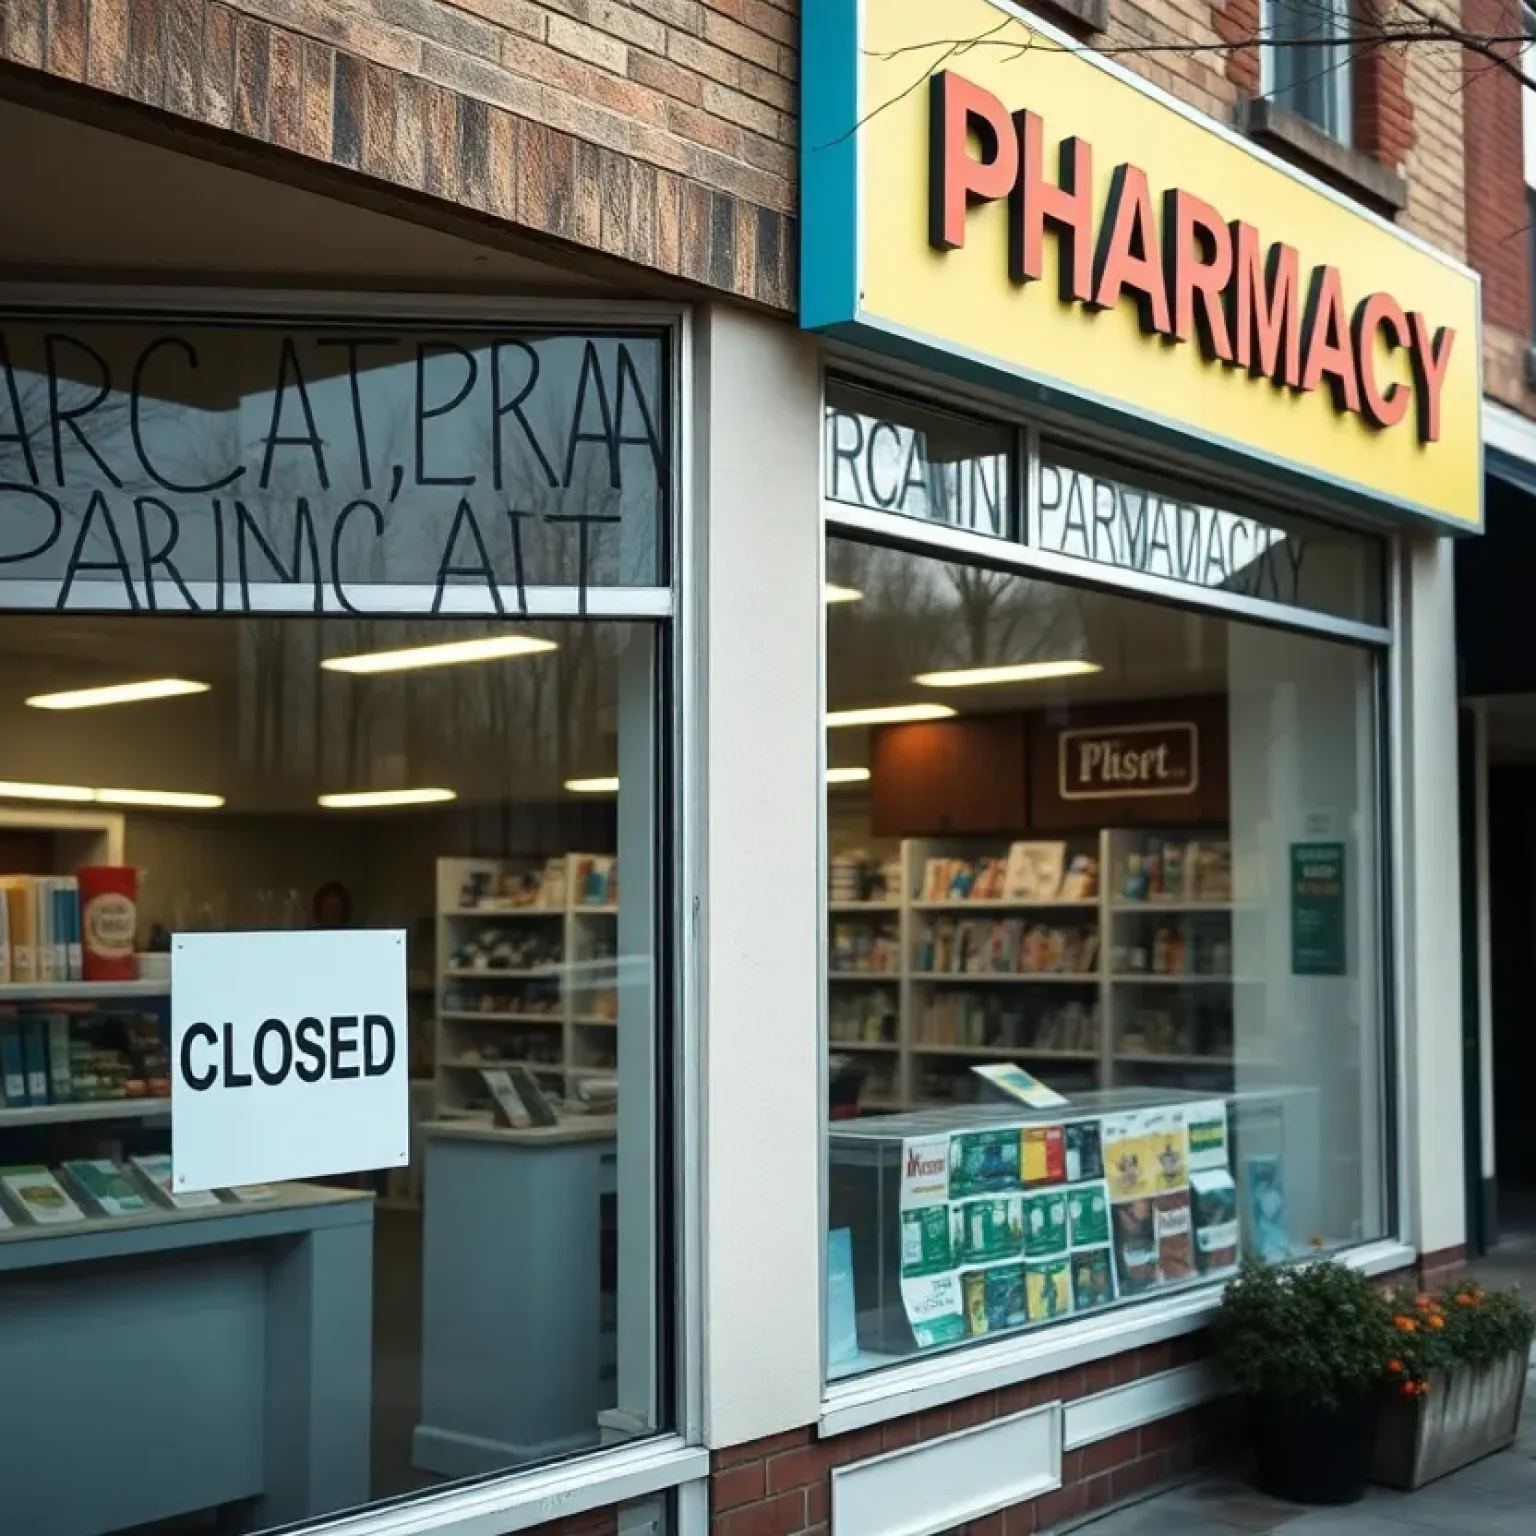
x=1466 y=1416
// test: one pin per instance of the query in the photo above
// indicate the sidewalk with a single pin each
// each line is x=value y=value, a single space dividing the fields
x=1496 y=1497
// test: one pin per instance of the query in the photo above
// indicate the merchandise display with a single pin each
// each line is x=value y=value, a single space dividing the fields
x=976 y=949
x=970 y=1222
x=528 y=974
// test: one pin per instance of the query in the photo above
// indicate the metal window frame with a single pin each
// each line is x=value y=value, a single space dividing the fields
x=516 y=1500
x=932 y=1381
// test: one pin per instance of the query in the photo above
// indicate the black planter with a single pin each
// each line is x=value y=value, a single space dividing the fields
x=1312 y=1455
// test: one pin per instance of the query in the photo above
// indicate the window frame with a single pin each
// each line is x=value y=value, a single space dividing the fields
x=1341 y=95
x=674 y=1459
x=935 y=1379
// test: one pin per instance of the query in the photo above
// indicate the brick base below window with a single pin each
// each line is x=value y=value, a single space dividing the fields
x=782 y=1486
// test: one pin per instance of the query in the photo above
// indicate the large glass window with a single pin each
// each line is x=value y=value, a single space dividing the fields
x=1105 y=989
x=348 y=628
x=1308 y=61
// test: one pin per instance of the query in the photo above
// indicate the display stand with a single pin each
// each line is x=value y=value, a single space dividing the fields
x=178 y=1361
x=513 y=1350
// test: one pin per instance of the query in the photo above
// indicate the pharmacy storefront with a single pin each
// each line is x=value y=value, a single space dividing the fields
x=1141 y=456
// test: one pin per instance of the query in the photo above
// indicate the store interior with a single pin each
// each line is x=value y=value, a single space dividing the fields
x=254 y=774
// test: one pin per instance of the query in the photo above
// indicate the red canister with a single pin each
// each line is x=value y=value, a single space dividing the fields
x=109 y=921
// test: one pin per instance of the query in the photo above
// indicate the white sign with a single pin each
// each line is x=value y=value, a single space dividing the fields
x=289 y=1056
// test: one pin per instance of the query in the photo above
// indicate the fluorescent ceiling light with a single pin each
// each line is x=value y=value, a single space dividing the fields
x=120 y=693
x=78 y=794
x=368 y=799
x=888 y=714
x=837 y=594
x=453 y=653
x=46 y=792
x=1017 y=672
x=847 y=775
x=171 y=797
x=592 y=786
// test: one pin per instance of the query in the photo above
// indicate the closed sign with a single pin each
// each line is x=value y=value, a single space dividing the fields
x=289 y=1056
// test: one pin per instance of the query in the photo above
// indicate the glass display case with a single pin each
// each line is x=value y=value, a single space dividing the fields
x=954 y=1224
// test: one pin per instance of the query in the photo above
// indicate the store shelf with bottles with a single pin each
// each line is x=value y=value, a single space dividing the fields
x=1051 y=939
x=526 y=971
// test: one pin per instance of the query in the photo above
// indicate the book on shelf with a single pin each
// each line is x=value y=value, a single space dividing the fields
x=1034 y=871
x=106 y=1186
x=39 y=1196
x=154 y=1169
x=39 y=929
x=13 y=1066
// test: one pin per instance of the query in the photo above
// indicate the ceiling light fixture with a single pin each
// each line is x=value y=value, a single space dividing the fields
x=175 y=798
x=592 y=786
x=78 y=794
x=454 y=653
x=837 y=594
x=118 y=693
x=370 y=799
x=1015 y=672
x=888 y=714
x=847 y=775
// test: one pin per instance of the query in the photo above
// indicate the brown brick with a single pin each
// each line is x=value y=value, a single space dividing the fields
x=587 y=43
x=316 y=111
x=1137 y=1477
x=1019 y=1520
x=378 y=120
x=66 y=38
x=818 y=1501
x=286 y=71
x=440 y=142
x=775 y=89
x=486 y=82
x=688 y=15
x=1103 y=1455
x=1067 y=1503
x=797 y=1468
x=670 y=79
x=735 y=107
x=623 y=20
x=660 y=148
x=26 y=31
x=437 y=22
x=252 y=50
x=347 y=111
x=106 y=57
x=145 y=73
x=770 y=21
x=1098 y=1377
x=969 y=1411
x=350 y=31
x=669 y=234
x=897 y=1433
x=410 y=164
x=739 y=41
x=642 y=213
x=857 y=1445
x=695 y=54
x=777 y=1516
x=734 y=1486
x=988 y=1525
x=217 y=75
x=524 y=17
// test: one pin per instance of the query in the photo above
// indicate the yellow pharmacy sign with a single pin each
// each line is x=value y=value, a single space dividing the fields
x=984 y=196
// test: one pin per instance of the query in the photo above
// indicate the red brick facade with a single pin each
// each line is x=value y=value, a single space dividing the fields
x=782 y=1486
x=1383 y=115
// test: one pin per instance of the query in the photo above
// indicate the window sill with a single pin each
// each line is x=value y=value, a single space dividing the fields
x=1295 y=139
x=948 y=1378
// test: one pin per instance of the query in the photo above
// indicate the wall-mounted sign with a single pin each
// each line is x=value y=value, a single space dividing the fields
x=1317 y=909
x=1037 y=215
x=1134 y=761
x=289 y=1057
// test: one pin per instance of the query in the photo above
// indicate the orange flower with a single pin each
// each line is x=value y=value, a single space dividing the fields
x=1437 y=1322
x=1317 y=1240
x=1466 y=1299
x=1407 y=1324
x=1409 y=1390
x=1395 y=1367
x=1423 y=1389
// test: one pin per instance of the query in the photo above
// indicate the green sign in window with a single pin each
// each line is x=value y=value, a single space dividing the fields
x=1317 y=909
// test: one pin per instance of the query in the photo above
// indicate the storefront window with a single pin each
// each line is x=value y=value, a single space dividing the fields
x=1134 y=853
x=219 y=737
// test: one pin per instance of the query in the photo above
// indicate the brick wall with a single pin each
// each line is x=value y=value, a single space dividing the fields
x=658 y=131
x=782 y=1486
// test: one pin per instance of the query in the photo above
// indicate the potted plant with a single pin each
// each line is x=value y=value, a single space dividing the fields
x=1456 y=1381
x=1306 y=1346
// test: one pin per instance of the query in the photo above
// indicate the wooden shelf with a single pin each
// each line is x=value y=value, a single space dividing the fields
x=1002 y=904
x=863 y=1045
x=544 y=973
x=856 y=908
x=469 y=1014
x=864 y=975
x=1146 y=908
x=1168 y=979
x=503 y=912
x=80 y=991
x=989 y=1051
x=1073 y=978
x=93 y=1109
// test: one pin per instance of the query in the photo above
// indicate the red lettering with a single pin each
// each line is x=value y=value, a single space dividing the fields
x=956 y=110
x=1197 y=253
x=1067 y=207
x=1264 y=308
x=1128 y=255
x=1429 y=357
x=1380 y=316
x=1328 y=350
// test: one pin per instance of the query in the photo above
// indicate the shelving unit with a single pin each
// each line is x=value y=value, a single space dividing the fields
x=572 y=1031
x=885 y=1016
